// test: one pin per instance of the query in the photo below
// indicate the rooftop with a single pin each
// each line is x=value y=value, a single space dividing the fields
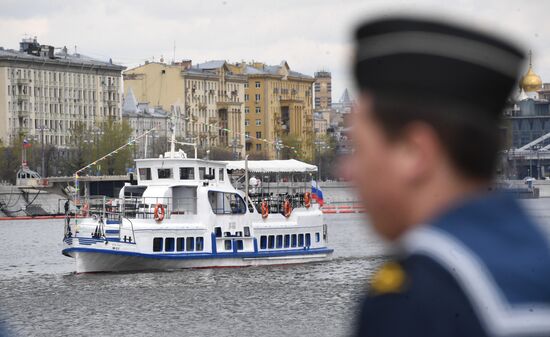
x=32 y=51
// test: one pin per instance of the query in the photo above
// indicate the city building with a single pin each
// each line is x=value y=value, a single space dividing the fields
x=141 y=117
x=44 y=93
x=207 y=98
x=528 y=116
x=278 y=109
x=323 y=90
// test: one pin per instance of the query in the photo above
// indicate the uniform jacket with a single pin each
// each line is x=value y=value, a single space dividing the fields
x=481 y=269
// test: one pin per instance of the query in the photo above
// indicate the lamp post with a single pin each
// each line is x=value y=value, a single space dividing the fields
x=278 y=146
x=319 y=144
x=42 y=128
x=234 y=145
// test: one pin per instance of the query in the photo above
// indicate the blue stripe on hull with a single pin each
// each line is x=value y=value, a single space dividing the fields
x=191 y=256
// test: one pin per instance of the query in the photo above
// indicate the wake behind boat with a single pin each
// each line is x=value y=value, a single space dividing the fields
x=185 y=213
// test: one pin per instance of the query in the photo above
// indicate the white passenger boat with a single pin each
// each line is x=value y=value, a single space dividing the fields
x=185 y=213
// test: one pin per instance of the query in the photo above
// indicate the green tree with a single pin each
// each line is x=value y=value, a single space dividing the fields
x=115 y=134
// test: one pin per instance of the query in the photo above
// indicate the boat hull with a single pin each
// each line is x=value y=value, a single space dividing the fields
x=90 y=260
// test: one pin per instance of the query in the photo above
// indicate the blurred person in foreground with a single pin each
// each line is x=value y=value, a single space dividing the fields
x=426 y=138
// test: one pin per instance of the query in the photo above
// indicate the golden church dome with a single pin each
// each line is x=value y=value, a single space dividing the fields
x=530 y=82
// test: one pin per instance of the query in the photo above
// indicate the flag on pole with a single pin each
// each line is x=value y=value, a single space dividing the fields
x=316 y=193
x=26 y=143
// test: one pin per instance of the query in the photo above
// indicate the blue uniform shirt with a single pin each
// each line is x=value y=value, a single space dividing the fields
x=481 y=269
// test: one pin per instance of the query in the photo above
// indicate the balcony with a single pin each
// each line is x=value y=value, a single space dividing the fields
x=23 y=80
x=202 y=106
x=22 y=97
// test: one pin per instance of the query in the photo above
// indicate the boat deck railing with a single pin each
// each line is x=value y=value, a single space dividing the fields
x=136 y=207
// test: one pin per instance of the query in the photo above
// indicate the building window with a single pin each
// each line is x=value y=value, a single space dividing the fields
x=246 y=122
x=263 y=242
x=240 y=245
x=187 y=173
x=287 y=241
x=145 y=173
x=180 y=244
x=271 y=242
x=300 y=240
x=247 y=135
x=257 y=97
x=164 y=173
x=279 y=241
x=246 y=110
x=190 y=244
x=258 y=85
x=246 y=85
x=258 y=147
x=258 y=109
x=258 y=122
x=246 y=97
x=169 y=244
x=258 y=134
x=308 y=239
x=157 y=244
x=227 y=244
x=293 y=242
x=199 y=244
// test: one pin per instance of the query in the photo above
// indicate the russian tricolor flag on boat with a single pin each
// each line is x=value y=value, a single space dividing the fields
x=316 y=193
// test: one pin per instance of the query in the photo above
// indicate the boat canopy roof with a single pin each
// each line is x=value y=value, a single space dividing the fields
x=266 y=166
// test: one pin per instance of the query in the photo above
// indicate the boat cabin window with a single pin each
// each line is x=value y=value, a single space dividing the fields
x=246 y=231
x=308 y=239
x=227 y=244
x=157 y=244
x=317 y=237
x=218 y=231
x=220 y=174
x=145 y=173
x=199 y=244
x=165 y=173
x=300 y=240
x=187 y=173
x=190 y=244
x=169 y=244
x=202 y=172
x=287 y=240
x=226 y=203
x=279 y=241
x=239 y=244
x=180 y=244
x=293 y=242
x=271 y=242
x=263 y=242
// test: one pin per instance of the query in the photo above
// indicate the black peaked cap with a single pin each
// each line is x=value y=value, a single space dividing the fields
x=433 y=60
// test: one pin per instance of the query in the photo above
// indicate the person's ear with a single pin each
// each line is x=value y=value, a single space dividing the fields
x=418 y=152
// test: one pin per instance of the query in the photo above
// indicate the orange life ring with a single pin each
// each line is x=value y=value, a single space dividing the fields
x=287 y=208
x=265 y=209
x=159 y=216
x=307 y=199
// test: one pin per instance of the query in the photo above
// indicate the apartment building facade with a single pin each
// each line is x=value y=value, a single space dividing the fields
x=207 y=98
x=45 y=93
x=278 y=107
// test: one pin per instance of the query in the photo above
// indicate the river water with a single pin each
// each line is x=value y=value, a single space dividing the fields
x=41 y=296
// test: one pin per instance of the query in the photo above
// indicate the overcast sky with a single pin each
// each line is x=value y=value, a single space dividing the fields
x=309 y=35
